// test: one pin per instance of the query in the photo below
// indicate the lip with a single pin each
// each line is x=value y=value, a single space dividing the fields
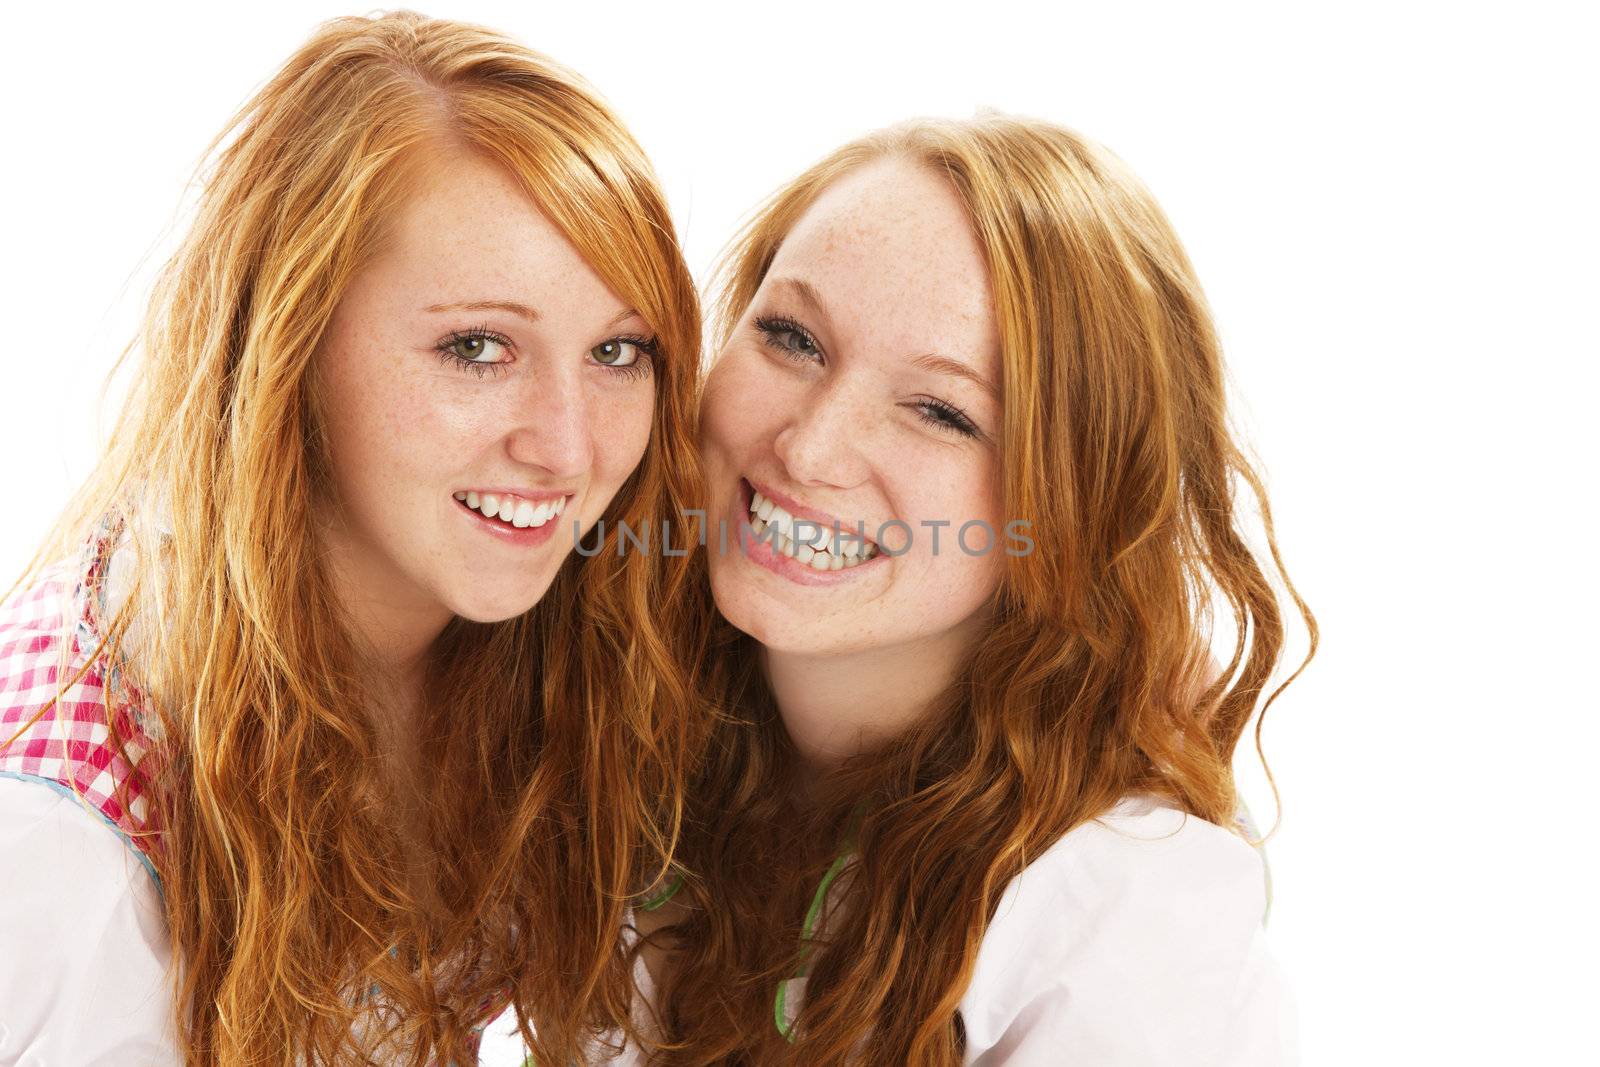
x=525 y=537
x=763 y=555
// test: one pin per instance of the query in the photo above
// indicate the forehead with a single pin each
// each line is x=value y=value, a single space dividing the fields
x=465 y=222
x=465 y=194
x=890 y=243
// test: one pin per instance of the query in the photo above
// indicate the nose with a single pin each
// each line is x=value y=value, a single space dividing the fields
x=819 y=444
x=551 y=424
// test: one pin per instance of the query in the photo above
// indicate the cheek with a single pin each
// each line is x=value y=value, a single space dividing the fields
x=965 y=493
x=412 y=425
x=366 y=416
x=621 y=423
x=738 y=407
x=391 y=433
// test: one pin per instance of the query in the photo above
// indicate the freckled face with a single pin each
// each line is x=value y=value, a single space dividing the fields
x=484 y=396
x=860 y=385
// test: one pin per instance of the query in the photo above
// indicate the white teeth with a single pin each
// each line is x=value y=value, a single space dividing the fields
x=816 y=559
x=801 y=531
x=820 y=549
x=512 y=510
x=815 y=534
x=782 y=520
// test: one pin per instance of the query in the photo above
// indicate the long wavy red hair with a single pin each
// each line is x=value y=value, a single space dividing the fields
x=556 y=743
x=1094 y=680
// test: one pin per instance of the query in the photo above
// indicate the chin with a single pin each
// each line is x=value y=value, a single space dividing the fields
x=776 y=628
x=498 y=609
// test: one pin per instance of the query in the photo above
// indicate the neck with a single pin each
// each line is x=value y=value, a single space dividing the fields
x=838 y=705
x=393 y=630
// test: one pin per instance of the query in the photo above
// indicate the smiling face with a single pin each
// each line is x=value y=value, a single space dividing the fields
x=861 y=386
x=475 y=366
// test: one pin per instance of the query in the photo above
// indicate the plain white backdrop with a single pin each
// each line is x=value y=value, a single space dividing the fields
x=1392 y=209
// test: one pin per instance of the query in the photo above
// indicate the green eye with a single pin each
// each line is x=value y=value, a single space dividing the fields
x=616 y=353
x=476 y=351
x=473 y=347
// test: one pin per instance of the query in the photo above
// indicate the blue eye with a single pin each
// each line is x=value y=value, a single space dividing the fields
x=790 y=338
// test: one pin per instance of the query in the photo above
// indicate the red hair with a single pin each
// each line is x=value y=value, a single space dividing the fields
x=1091 y=682
x=554 y=743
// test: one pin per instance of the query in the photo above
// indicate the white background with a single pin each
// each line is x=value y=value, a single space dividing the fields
x=1392 y=208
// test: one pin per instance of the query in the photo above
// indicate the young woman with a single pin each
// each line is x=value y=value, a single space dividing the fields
x=318 y=740
x=975 y=800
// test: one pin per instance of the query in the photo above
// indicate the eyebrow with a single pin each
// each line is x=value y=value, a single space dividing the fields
x=488 y=305
x=805 y=291
x=932 y=361
x=529 y=313
x=956 y=369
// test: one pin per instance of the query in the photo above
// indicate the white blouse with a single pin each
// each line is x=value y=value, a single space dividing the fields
x=83 y=941
x=1134 y=941
x=83 y=945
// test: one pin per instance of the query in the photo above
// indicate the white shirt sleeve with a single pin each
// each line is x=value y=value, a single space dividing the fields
x=83 y=943
x=1135 y=941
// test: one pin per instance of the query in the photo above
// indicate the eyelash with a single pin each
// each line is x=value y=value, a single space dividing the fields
x=934 y=412
x=773 y=328
x=946 y=417
x=649 y=350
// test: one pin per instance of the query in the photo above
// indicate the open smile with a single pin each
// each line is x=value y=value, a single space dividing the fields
x=511 y=517
x=806 y=546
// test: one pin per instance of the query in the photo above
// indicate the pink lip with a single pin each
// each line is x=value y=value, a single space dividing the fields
x=763 y=555
x=524 y=537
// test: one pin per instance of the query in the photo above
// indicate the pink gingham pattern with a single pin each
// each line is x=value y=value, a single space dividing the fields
x=56 y=684
x=54 y=696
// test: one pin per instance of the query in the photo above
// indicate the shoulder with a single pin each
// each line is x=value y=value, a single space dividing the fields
x=33 y=618
x=1144 y=851
x=37 y=657
x=1135 y=939
x=62 y=692
x=82 y=936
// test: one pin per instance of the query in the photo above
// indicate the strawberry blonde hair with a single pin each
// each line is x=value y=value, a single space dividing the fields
x=555 y=743
x=1092 y=680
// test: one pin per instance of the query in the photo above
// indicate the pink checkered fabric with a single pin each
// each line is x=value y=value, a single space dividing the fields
x=55 y=688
